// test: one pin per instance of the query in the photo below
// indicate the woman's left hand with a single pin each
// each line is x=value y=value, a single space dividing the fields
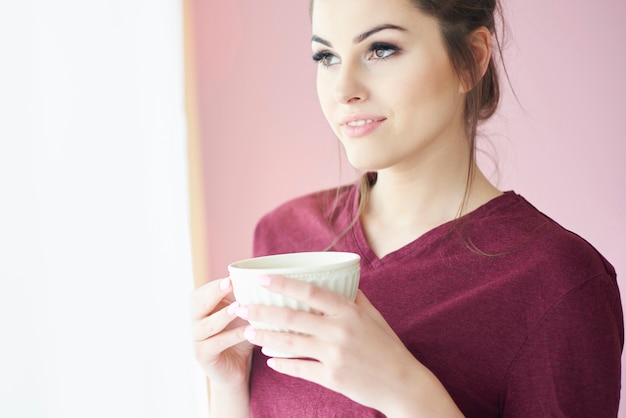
x=357 y=353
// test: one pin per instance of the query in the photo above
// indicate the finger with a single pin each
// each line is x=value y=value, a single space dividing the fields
x=281 y=317
x=209 y=348
x=310 y=370
x=298 y=345
x=318 y=298
x=213 y=324
x=206 y=298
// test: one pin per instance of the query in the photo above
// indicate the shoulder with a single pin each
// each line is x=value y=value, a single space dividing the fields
x=534 y=252
x=573 y=323
x=303 y=223
x=566 y=295
x=515 y=227
x=568 y=251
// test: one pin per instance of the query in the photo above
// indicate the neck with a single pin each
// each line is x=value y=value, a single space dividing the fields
x=404 y=204
x=432 y=188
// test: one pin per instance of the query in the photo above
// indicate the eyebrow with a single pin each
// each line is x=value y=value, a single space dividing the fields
x=360 y=38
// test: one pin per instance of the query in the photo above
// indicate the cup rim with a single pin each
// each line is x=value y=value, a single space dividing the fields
x=296 y=262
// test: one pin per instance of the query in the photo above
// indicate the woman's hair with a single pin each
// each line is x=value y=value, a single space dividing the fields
x=458 y=19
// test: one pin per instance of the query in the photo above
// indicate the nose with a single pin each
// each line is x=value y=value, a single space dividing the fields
x=349 y=85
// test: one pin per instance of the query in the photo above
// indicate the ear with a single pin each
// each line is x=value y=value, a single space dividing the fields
x=480 y=45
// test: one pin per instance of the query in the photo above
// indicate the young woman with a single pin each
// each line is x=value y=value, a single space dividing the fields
x=472 y=302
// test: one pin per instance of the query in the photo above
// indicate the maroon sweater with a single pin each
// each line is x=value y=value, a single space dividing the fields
x=516 y=316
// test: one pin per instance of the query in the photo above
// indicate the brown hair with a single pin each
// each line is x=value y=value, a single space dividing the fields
x=457 y=20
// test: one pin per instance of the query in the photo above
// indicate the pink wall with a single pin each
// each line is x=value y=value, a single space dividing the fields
x=265 y=138
x=562 y=145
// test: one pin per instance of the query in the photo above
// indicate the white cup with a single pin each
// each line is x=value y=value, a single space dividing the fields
x=335 y=271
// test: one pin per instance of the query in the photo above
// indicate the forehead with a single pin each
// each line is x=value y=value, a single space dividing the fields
x=354 y=16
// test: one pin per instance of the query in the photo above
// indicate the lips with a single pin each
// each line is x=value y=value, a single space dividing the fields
x=355 y=126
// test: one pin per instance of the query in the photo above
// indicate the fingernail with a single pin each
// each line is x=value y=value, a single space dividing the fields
x=242 y=312
x=225 y=283
x=249 y=333
x=272 y=363
x=264 y=280
x=232 y=308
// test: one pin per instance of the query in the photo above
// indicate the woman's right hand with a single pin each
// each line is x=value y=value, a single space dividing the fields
x=220 y=347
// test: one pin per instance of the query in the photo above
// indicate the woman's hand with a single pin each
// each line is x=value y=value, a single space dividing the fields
x=353 y=350
x=220 y=346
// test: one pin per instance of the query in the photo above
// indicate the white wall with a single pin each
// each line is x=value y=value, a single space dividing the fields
x=95 y=270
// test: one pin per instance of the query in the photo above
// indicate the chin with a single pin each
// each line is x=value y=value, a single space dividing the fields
x=364 y=155
x=365 y=164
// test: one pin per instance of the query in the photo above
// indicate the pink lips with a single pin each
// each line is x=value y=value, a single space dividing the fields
x=360 y=125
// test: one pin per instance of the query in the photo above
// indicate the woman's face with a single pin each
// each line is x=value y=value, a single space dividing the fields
x=385 y=82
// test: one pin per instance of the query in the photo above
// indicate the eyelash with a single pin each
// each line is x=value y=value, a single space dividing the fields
x=322 y=57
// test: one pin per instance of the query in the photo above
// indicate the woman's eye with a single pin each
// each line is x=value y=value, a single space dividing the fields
x=325 y=58
x=381 y=51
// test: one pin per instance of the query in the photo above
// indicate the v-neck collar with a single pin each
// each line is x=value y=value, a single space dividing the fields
x=422 y=242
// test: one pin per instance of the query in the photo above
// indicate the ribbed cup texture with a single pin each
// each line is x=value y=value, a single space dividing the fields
x=344 y=281
x=341 y=276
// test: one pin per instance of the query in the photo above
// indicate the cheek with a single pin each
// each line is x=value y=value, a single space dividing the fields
x=430 y=93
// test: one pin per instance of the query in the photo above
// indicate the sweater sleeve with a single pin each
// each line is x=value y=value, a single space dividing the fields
x=570 y=364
